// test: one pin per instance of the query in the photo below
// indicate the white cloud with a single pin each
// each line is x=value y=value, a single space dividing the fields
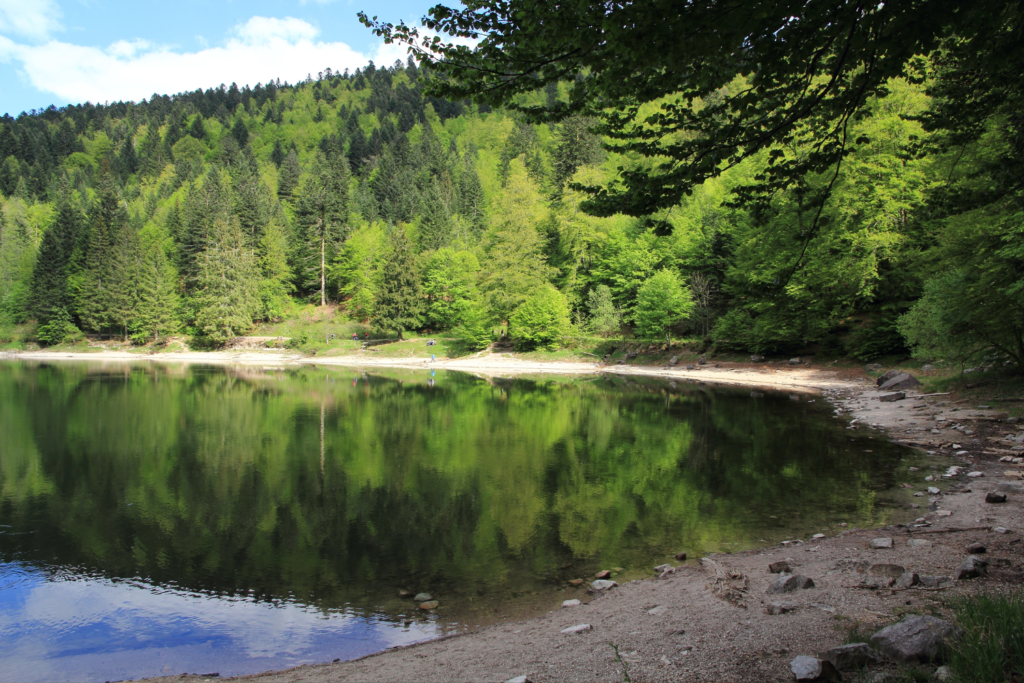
x=259 y=50
x=32 y=19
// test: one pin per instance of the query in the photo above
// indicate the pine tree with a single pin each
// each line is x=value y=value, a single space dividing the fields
x=157 y=294
x=277 y=156
x=398 y=302
x=227 y=285
x=576 y=146
x=436 y=225
x=94 y=296
x=240 y=133
x=50 y=274
x=275 y=275
x=205 y=206
x=288 y=179
x=197 y=129
x=252 y=199
x=122 y=275
x=322 y=217
x=471 y=194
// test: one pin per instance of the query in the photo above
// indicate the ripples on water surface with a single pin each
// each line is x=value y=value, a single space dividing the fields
x=168 y=519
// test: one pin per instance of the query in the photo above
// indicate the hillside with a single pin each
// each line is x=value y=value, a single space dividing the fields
x=206 y=213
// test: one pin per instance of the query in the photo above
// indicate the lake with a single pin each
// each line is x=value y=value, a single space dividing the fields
x=162 y=519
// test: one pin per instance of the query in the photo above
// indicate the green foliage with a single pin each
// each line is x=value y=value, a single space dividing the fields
x=661 y=303
x=227 y=287
x=605 y=318
x=992 y=648
x=475 y=327
x=541 y=321
x=448 y=284
x=939 y=325
x=57 y=327
x=157 y=306
x=398 y=303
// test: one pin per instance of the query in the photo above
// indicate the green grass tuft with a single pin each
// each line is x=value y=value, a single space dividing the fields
x=992 y=649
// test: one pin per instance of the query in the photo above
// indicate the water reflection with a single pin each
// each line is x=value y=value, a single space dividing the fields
x=66 y=626
x=301 y=501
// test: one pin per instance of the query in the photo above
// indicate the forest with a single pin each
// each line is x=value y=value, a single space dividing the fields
x=203 y=214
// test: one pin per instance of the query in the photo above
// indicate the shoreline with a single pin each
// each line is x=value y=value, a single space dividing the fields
x=676 y=627
x=769 y=376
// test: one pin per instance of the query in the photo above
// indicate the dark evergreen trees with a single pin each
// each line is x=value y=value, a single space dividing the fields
x=50 y=275
x=322 y=216
x=398 y=302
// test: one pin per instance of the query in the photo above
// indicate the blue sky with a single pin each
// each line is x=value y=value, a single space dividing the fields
x=72 y=51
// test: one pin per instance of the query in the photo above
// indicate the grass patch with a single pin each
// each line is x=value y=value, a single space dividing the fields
x=992 y=649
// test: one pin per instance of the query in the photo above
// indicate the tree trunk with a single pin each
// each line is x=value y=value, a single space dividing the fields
x=323 y=274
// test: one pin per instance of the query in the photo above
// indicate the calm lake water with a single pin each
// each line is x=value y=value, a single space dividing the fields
x=160 y=519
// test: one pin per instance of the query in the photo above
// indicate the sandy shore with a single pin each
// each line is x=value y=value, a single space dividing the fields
x=798 y=378
x=678 y=628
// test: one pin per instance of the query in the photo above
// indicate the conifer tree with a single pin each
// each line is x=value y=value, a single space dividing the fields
x=252 y=198
x=275 y=275
x=197 y=129
x=227 y=285
x=122 y=276
x=288 y=179
x=95 y=293
x=576 y=146
x=157 y=294
x=240 y=133
x=322 y=217
x=204 y=206
x=398 y=302
x=277 y=156
x=50 y=274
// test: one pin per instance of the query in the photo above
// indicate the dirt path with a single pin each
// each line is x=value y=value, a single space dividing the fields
x=678 y=628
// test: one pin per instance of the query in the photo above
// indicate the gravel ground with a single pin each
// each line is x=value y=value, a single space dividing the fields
x=683 y=627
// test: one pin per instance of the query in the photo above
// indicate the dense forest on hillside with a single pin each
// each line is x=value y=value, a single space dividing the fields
x=204 y=213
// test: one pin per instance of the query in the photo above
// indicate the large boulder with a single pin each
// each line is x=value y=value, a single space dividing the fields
x=915 y=639
x=853 y=656
x=813 y=669
x=900 y=382
x=885 y=377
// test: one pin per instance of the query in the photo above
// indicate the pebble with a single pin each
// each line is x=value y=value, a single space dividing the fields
x=879 y=543
x=817 y=537
x=429 y=604
x=976 y=549
x=655 y=611
x=780 y=567
x=943 y=513
x=603 y=584
x=519 y=679
x=1000 y=530
x=578 y=628
x=933 y=490
x=603 y=574
x=993 y=497
x=662 y=568
x=781 y=608
x=975 y=475
x=972 y=568
x=813 y=669
x=571 y=603
x=575 y=582
x=918 y=543
x=681 y=557
x=423 y=597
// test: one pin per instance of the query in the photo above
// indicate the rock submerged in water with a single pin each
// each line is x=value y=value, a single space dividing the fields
x=603 y=574
x=853 y=656
x=813 y=669
x=423 y=597
x=681 y=557
x=576 y=582
x=788 y=584
x=915 y=639
x=429 y=605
